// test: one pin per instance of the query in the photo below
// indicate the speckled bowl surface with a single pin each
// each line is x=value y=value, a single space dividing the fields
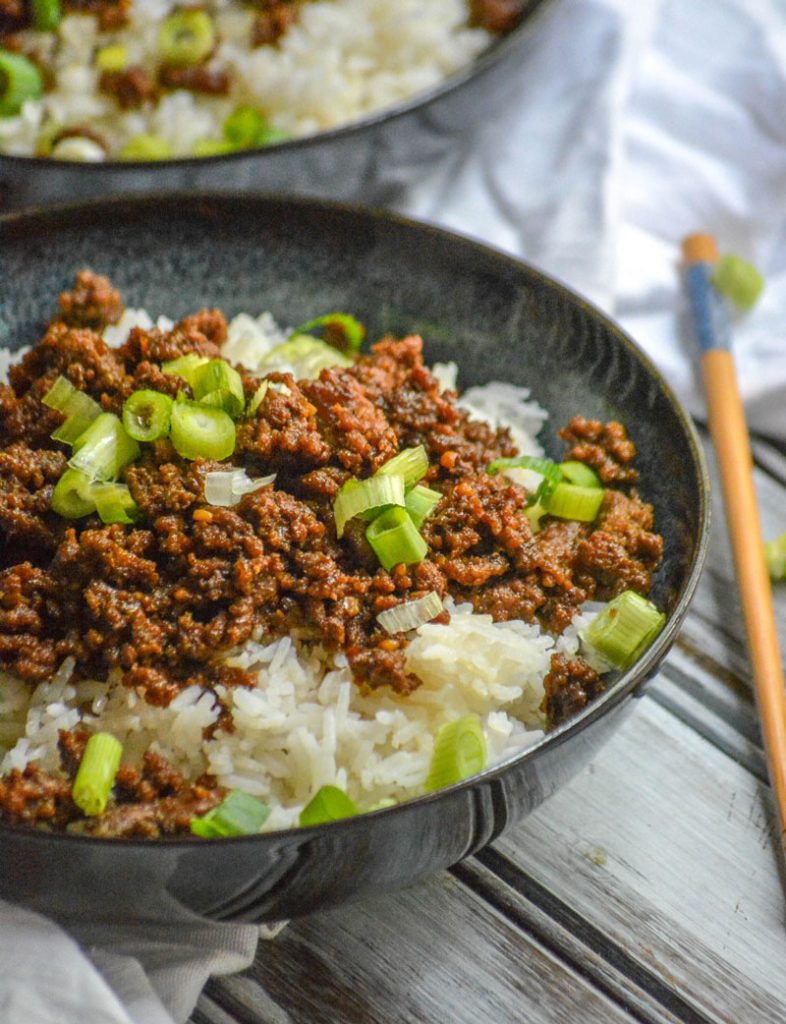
x=343 y=163
x=499 y=319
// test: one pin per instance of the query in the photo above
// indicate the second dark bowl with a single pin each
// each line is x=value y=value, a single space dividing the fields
x=499 y=319
x=348 y=162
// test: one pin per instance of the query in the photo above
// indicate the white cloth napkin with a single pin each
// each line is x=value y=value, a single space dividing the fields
x=627 y=126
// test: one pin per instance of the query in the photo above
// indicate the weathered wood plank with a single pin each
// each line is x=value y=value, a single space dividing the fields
x=434 y=954
x=662 y=845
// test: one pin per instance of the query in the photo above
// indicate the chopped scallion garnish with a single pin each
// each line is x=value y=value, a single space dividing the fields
x=459 y=751
x=146 y=415
x=96 y=774
x=186 y=38
x=358 y=497
x=20 y=81
x=411 y=463
x=738 y=280
x=775 y=555
x=72 y=496
x=219 y=384
x=420 y=502
x=570 y=501
x=185 y=366
x=549 y=471
x=257 y=398
x=579 y=473
x=79 y=408
x=411 y=614
x=104 y=448
x=352 y=330
x=394 y=537
x=305 y=356
x=228 y=487
x=200 y=431
x=238 y=814
x=329 y=804
x=113 y=503
x=625 y=628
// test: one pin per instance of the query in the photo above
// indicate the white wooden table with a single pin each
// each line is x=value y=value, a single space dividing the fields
x=646 y=890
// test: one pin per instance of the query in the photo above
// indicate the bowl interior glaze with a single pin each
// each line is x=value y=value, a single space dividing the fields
x=499 y=319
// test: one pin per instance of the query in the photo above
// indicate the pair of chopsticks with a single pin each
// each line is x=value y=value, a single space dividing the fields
x=730 y=439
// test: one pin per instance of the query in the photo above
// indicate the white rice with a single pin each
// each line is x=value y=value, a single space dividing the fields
x=305 y=723
x=341 y=60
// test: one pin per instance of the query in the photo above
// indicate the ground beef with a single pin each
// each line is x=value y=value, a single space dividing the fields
x=570 y=685
x=497 y=15
x=93 y=302
x=604 y=446
x=111 y=14
x=159 y=601
x=131 y=88
x=273 y=23
x=14 y=16
x=203 y=79
x=33 y=797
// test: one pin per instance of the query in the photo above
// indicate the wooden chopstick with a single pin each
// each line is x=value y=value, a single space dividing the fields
x=730 y=439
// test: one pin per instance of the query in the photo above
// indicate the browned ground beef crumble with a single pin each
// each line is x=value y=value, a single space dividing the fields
x=162 y=600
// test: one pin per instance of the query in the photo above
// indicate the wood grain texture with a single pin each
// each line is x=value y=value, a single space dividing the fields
x=647 y=890
x=437 y=953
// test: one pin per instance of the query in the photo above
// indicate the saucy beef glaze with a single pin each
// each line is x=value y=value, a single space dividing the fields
x=161 y=600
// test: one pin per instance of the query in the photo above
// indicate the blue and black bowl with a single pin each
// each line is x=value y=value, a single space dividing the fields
x=498 y=319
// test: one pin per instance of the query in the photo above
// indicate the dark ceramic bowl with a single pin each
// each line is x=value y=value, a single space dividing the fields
x=497 y=318
x=345 y=163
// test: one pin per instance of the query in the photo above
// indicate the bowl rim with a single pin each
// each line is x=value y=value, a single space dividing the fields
x=626 y=684
x=494 y=52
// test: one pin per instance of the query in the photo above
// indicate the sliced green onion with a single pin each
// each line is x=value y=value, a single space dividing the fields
x=550 y=472
x=113 y=503
x=411 y=463
x=219 y=384
x=569 y=501
x=186 y=38
x=238 y=814
x=420 y=502
x=395 y=539
x=534 y=462
x=72 y=497
x=80 y=409
x=213 y=147
x=258 y=398
x=411 y=614
x=775 y=556
x=357 y=497
x=46 y=15
x=535 y=513
x=146 y=415
x=459 y=751
x=104 y=448
x=353 y=330
x=185 y=367
x=738 y=280
x=580 y=473
x=96 y=775
x=79 y=149
x=228 y=487
x=199 y=431
x=382 y=805
x=20 y=81
x=269 y=135
x=243 y=127
x=146 y=147
x=625 y=628
x=329 y=804
x=112 y=58
x=307 y=357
